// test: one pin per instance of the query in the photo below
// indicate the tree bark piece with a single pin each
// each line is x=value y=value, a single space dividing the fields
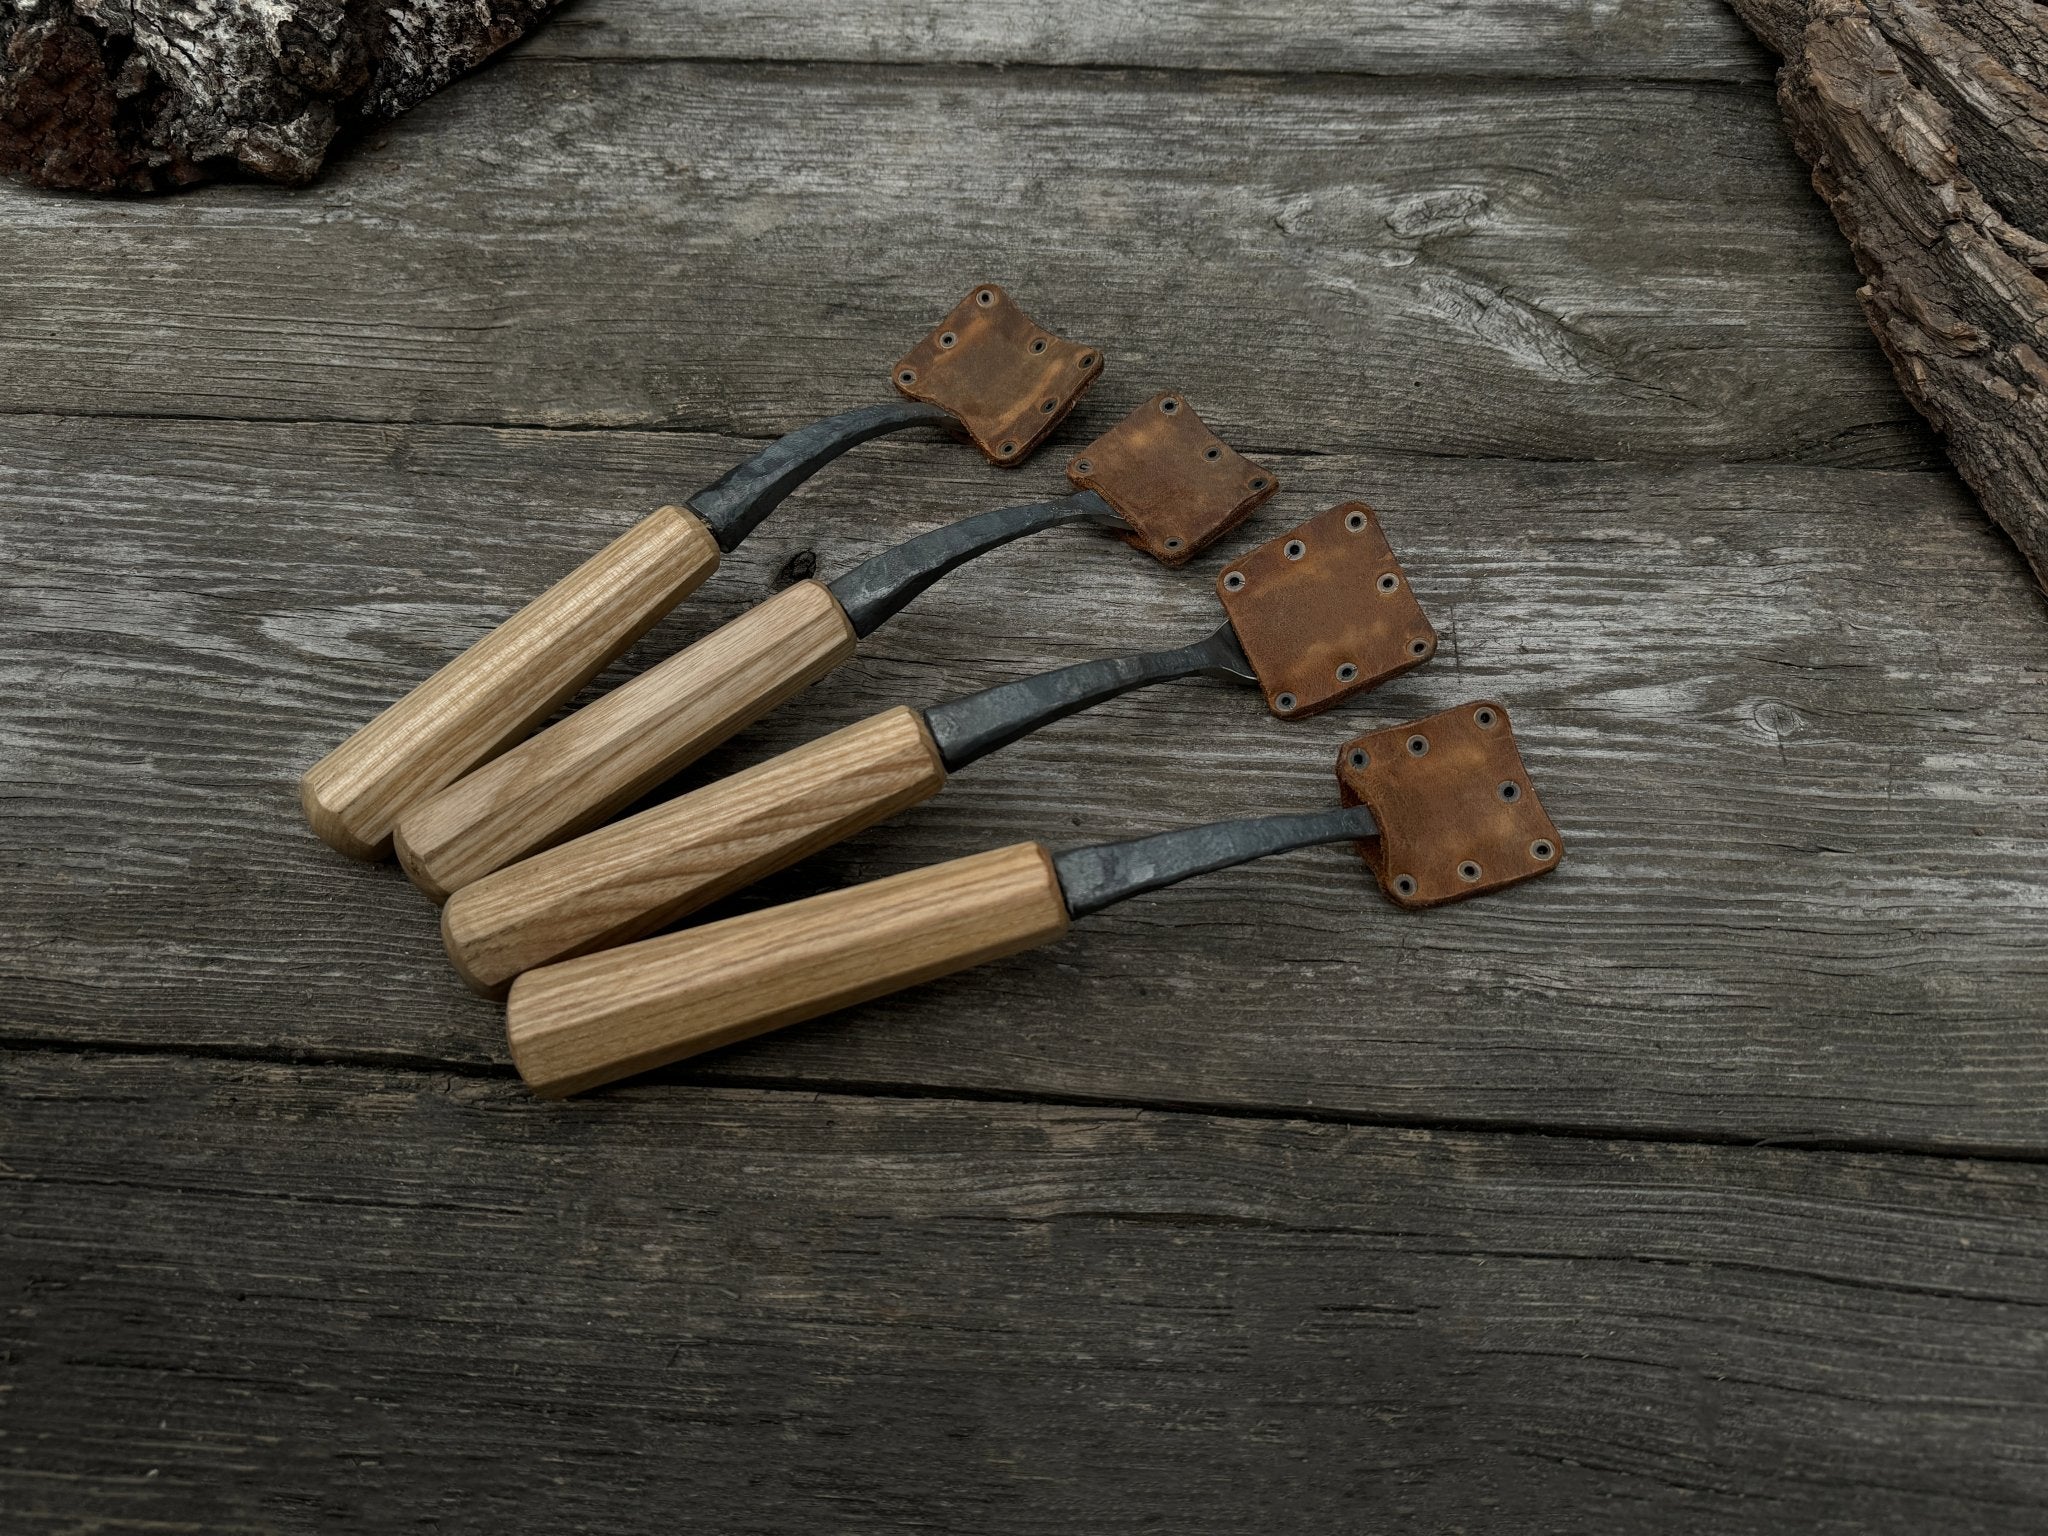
x=147 y=95
x=1926 y=125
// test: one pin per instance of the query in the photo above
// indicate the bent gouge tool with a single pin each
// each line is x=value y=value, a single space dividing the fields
x=1316 y=615
x=1441 y=809
x=1159 y=477
x=986 y=370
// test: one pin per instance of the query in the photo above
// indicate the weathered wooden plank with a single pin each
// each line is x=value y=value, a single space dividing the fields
x=1789 y=719
x=1545 y=270
x=254 y=1297
x=1523 y=39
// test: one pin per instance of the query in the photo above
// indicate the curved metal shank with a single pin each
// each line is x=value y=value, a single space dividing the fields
x=733 y=505
x=978 y=723
x=1098 y=877
x=877 y=589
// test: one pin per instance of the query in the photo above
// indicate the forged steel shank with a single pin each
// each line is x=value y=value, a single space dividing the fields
x=974 y=726
x=879 y=588
x=1101 y=876
x=734 y=504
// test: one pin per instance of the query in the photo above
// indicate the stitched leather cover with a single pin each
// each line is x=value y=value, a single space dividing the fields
x=1325 y=611
x=1458 y=817
x=1178 y=485
x=1008 y=379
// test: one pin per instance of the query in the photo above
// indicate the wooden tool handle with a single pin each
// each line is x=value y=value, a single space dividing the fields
x=643 y=873
x=499 y=689
x=588 y=1021
x=581 y=770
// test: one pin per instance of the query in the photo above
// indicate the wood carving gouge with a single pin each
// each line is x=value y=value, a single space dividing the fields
x=987 y=370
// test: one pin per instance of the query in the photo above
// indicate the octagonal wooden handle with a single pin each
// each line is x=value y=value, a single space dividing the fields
x=584 y=769
x=498 y=690
x=628 y=879
x=591 y=1020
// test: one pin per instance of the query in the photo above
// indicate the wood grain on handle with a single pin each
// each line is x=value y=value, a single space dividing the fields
x=584 y=768
x=634 y=876
x=499 y=689
x=591 y=1020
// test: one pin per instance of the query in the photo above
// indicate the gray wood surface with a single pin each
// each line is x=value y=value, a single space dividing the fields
x=773 y=1312
x=1697 y=1188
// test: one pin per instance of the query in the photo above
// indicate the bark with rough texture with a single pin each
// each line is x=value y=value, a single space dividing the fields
x=146 y=95
x=1926 y=125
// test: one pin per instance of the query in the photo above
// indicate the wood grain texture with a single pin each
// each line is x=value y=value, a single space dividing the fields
x=583 y=769
x=1927 y=129
x=1521 y=39
x=502 y=687
x=582 y=1023
x=295 y=1299
x=623 y=881
x=1401 y=268
x=1788 y=718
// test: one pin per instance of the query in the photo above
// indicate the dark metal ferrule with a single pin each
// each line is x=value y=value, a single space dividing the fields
x=976 y=724
x=879 y=588
x=733 y=505
x=1101 y=876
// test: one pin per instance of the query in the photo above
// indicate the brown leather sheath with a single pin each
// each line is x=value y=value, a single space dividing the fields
x=1324 y=611
x=1457 y=813
x=1008 y=379
x=1178 y=485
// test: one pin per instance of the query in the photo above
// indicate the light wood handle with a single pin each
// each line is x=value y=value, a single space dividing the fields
x=634 y=876
x=588 y=1021
x=581 y=770
x=499 y=689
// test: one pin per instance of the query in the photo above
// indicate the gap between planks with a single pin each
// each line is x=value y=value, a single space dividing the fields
x=686 y=1080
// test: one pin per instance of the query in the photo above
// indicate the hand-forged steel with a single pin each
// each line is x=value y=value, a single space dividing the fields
x=978 y=723
x=1101 y=876
x=733 y=505
x=879 y=588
